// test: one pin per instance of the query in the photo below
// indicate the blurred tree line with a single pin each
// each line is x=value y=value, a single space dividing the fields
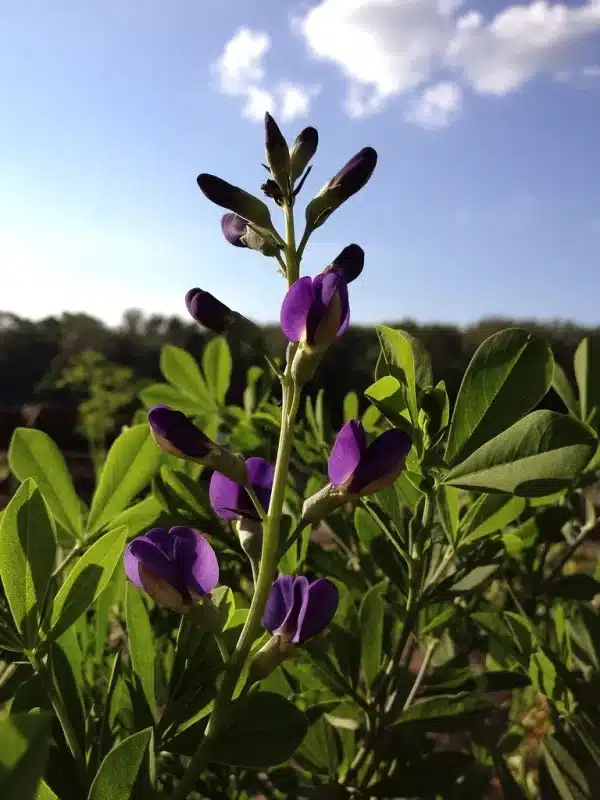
x=55 y=365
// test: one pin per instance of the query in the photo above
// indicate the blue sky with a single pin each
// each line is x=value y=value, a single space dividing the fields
x=486 y=198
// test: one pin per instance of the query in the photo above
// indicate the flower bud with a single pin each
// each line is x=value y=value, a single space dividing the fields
x=240 y=234
x=303 y=149
x=250 y=535
x=316 y=311
x=278 y=155
x=216 y=316
x=176 y=434
x=235 y=199
x=297 y=610
x=350 y=261
x=349 y=180
x=231 y=501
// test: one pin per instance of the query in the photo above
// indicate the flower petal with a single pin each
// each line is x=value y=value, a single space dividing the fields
x=234 y=228
x=153 y=559
x=295 y=308
x=204 y=573
x=279 y=603
x=318 y=609
x=132 y=567
x=381 y=463
x=224 y=495
x=346 y=453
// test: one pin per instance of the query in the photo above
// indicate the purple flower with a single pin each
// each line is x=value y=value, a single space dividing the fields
x=361 y=469
x=172 y=566
x=176 y=434
x=207 y=310
x=316 y=310
x=231 y=501
x=238 y=233
x=234 y=228
x=235 y=199
x=297 y=610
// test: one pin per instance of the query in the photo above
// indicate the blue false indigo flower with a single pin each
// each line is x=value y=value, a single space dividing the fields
x=359 y=469
x=356 y=468
x=348 y=181
x=298 y=610
x=235 y=199
x=240 y=234
x=316 y=310
x=214 y=315
x=176 y=434
x=231 y=501
x=350 y=261
x=176 y=567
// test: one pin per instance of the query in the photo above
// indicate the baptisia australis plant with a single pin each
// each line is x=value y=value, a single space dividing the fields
x=314 y=313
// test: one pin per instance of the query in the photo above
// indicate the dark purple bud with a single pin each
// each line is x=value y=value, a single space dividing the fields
x=231 y=501
x=298 y=610
x=316 y=311
x=235 y=199
x=272 y=190
x=240 y=234
x=207 y=310
x=348 y=181
x=174 y=566
x=359 y=469
x=302 y=151
x=278 y=154
x=176 y=434
x=350 y=261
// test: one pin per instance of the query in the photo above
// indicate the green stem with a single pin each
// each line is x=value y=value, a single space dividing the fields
x=63 y=717
x=266 y=574
x=256 y=502
x=292 y=257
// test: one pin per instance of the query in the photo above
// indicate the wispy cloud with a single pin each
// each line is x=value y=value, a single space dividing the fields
x=392 y=48
x=240 y=72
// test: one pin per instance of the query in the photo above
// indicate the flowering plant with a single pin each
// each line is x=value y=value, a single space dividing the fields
x=259 y=604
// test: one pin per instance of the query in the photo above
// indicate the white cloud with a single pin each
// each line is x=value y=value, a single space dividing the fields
x=386 y=48
x=240 y=65
x=438 y=105
x=240 y=72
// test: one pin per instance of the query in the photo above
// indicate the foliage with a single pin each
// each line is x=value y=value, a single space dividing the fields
x=461 y=655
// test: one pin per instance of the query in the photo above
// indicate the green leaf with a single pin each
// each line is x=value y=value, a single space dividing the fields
x=366 y=527
x=540 y=454
x=443 y=712
x=138 y=517
x=33 y=454
x=65 y=663
x=489 y=514
x=389 y=396
x=24 y=742
x=407 y=360
x=86 y=581
x=350 y=406
x=27 y=554
x=567 y=777
x=475 y=578
x=507 y=377
x=562 y=387
x=165 y=394
x=141 y=644
x=180 y=369
x=118 y=772
x=131 y=462
x=448 y=509
x=217 y=366
x=264 y=730
x=44 y=792
x=371 y=616
x=587 y=374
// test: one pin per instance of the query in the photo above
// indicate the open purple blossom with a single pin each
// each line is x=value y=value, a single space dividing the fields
x=316 y=310
x=231 y=501
x=176 y=434
x=359 y=468
x=174 y=566
x=297 y=610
